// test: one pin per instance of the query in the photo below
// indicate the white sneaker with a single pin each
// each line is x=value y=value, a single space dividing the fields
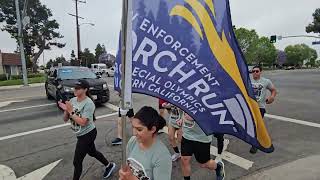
x=175 y=156
x=225 y=144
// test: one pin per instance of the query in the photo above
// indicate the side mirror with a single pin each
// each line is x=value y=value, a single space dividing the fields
x=99 y=76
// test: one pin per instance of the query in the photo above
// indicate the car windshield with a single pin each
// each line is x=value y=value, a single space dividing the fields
x=76 y=74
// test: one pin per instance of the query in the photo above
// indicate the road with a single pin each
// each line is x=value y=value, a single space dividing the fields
x=26 y=146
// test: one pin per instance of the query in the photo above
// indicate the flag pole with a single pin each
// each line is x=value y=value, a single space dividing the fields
x=123 y=74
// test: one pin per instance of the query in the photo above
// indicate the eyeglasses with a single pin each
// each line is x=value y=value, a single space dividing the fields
x=255 y=71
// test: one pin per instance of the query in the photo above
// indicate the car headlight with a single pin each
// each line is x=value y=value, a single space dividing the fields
x=68 y=89
x=105 y=86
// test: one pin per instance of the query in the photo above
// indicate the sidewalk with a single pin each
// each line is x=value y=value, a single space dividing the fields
x=21 y=86
x=302 y=169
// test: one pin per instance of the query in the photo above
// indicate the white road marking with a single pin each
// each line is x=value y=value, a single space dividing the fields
x=46 y=129
x=23 y=97
x=232 y=158
x=29 y=107
x=7 y=173
x=113 y=107
x=296 y=121
x=6 y=103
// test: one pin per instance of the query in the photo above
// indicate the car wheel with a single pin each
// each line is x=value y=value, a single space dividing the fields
x=48 y=95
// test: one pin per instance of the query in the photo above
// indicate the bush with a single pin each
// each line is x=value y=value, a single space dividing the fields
x=3 y=77
x=15 y=77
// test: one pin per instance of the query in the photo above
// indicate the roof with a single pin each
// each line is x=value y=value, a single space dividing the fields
x=11 y=59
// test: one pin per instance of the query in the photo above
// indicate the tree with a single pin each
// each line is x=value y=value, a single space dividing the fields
x=99 y=50
x=264 y=52
x=49 y=64
x=61 y=60
x=247 y=40
x=315 y=25
x=41 y=34
x=300 y=53
x=87 y=58
x=74 y=61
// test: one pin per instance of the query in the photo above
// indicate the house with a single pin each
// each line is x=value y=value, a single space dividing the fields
x=10 y=63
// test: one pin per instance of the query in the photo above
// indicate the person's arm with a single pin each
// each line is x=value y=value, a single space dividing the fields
x=273 y=91
x=87 y=113
x=66 y=116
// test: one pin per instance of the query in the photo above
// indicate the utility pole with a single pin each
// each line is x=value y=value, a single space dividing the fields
x=78 y=29
x=23 y=58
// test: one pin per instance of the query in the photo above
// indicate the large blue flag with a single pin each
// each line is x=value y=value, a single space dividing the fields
x=186 y=53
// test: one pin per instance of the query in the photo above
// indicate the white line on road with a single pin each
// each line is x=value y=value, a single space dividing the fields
x=30 y=107
x=23 y=97
x=8 y=174
x=6 y=103
x=232 y=158
x=296 y=121
x=46 y=129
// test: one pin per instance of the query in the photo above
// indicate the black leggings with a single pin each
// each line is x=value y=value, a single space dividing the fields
x=220 y=140
x=85 y=145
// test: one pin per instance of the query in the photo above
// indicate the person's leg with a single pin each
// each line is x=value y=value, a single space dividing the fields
x=92 y=151
x=254 y=150
x=186 y=167
x=118 y=139
x=173 y=142
x=202 y=155
x=119 y=128
x=186 y=155
x=79 y=155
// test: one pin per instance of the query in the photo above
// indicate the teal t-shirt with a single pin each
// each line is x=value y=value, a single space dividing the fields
x=84 y=109
x=192 y=131
x=152 y=164
x=260 y=90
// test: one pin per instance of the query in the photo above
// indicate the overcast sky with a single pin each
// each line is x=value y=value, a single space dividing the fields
x=268 y=17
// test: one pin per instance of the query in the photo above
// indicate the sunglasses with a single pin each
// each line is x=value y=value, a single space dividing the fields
x=255 y=71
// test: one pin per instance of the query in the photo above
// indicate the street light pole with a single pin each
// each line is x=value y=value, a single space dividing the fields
x=23 y=58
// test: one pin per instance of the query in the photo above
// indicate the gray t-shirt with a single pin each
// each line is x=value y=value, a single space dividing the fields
x=192 y=131
x=152 y=164
x=84 y=109
x=260 y=90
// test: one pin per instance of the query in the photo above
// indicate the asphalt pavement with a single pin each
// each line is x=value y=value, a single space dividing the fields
x=33 y=135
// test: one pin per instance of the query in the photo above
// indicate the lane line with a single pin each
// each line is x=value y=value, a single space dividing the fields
x=47 y=128
x=19 y=98
x=112 y=107
x=296 y=121
x=29 y=107
x=232 y=158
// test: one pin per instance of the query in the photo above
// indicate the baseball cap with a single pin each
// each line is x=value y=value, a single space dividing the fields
x=83 y=84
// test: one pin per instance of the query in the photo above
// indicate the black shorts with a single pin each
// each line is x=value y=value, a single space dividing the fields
x=200 y=150
x=262 y=111
x=130 y=113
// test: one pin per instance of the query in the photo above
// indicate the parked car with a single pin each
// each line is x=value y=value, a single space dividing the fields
x=110 y=72
x=99 y=69
x=290 y=68
x=61 y=82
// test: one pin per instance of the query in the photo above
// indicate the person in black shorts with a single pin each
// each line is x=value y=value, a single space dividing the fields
x=196 y=142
